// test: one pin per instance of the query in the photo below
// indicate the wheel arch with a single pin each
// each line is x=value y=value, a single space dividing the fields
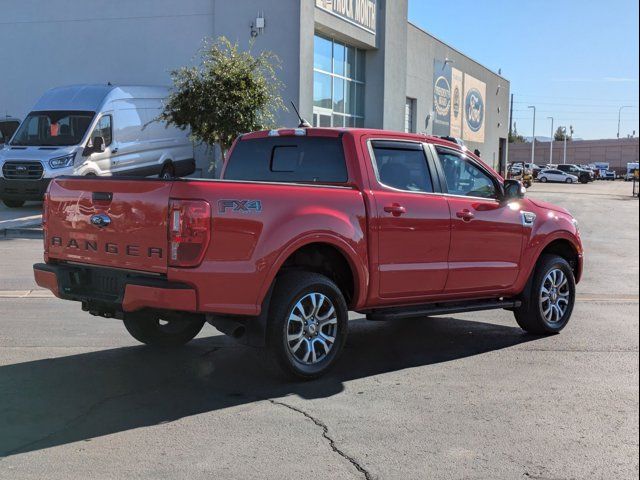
x=327 y=255
x=566 y=247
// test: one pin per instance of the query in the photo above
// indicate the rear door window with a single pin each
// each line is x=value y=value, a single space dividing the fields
x=402 y=166
x=288 y=159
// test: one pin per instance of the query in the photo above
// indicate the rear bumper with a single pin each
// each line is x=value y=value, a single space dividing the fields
x=112 y=291
x=23 y=189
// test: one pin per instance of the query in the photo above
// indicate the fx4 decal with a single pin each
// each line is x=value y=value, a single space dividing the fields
x=243 y=206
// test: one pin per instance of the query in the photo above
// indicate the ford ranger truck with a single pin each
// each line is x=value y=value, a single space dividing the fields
x=304 y=226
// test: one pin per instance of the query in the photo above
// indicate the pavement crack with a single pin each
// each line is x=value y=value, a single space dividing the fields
x=327 y=437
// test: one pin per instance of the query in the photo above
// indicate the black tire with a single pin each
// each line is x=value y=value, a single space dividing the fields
x=13 y=203
x=530 y=315
x=151 y=330
x=544 y=180
x=569 y=180
x=290 y=289
x=167 y=172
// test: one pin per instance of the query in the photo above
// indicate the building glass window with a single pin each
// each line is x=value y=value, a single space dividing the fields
x=338 y=84
x=409 y=115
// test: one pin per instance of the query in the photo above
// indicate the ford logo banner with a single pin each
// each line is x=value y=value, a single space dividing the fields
x=474 y=107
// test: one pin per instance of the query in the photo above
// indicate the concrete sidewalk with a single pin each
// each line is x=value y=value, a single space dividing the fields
x=15 y=220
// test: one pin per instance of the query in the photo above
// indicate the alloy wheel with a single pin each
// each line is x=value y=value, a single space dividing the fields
x=554 y=296
x=312 y=328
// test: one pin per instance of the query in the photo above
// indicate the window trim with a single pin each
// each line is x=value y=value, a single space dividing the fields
x=443 y=178
x=435 y=180
x=95 y=127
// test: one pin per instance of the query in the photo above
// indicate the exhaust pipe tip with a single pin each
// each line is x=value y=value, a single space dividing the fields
x=232 y=328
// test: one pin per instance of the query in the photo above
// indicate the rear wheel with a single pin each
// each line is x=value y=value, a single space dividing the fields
x=543 y=179
x=13 y=203
x=308 y=324
x=569 y=180
x=548 y=304
x=153 y=330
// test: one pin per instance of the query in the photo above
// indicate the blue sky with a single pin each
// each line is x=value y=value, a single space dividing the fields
x=574 y=60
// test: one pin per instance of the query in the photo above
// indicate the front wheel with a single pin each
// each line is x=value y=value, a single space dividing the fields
x=308 y=324
x=543 y=179
x=569 y=180
x=548 y=302
x=13 y=203
x=153 y=330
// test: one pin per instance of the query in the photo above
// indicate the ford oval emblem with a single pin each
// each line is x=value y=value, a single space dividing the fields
x=100 y=220
x=474 y=106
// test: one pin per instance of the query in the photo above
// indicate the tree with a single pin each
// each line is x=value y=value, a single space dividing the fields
x=560 y=135
x=514 y=137
x=229 y=93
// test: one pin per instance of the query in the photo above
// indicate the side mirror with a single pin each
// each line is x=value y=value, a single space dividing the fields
x=513 y=190
x=96 y=144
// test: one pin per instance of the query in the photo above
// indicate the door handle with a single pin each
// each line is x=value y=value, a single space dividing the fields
x=395 y=209
x=114 y=150
x=465 y=215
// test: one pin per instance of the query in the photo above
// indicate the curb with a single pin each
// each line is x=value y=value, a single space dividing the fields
x=21 y=232
x=27 y=227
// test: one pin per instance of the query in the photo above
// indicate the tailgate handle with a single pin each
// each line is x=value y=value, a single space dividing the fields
x=103 y=197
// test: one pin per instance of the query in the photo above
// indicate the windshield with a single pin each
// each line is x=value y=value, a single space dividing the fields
x=53 y=129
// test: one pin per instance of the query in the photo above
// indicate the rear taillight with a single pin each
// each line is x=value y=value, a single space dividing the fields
x=189 y=232
x=45 y=223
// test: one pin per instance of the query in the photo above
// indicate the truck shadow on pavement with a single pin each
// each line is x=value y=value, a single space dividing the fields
x=57 y=401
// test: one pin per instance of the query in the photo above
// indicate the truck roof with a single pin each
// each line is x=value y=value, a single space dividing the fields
x=336 y=132
x=92 y=97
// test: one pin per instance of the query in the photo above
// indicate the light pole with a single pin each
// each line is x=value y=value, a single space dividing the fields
x=533 y=143
x=619 y=114
x=564 y=135
x=551 y=143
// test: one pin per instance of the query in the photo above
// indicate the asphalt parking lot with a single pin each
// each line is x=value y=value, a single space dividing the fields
x=463 y=397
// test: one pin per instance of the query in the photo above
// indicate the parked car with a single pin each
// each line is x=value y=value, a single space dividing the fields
x=555 y=175
x=583 y=175
x=632 y=171
x=102 y=130
x=519 y=171
x=8 y=125
x=535 y=169
x=604 y=173
x=305 y=225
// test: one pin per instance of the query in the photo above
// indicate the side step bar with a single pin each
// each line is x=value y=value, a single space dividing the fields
x=395 y=313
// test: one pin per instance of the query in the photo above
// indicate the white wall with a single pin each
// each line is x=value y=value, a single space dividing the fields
x=49 y=43
x=45 y=44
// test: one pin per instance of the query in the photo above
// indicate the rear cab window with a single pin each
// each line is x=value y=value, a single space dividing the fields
x=285 y=159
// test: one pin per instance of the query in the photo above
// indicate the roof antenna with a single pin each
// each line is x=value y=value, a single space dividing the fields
x=303 y=122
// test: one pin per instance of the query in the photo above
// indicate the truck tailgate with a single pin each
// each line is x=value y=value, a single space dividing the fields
x=108 y=222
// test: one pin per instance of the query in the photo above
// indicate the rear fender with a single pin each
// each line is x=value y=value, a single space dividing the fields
x=357 y=265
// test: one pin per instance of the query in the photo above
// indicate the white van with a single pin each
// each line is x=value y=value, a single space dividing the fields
x=100 y=130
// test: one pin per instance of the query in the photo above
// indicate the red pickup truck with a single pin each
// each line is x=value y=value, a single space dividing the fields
x=304 y=226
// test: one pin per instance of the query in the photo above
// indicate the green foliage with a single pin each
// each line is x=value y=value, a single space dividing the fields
x=561 y=133
x=514 y=137
x=229 y=93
